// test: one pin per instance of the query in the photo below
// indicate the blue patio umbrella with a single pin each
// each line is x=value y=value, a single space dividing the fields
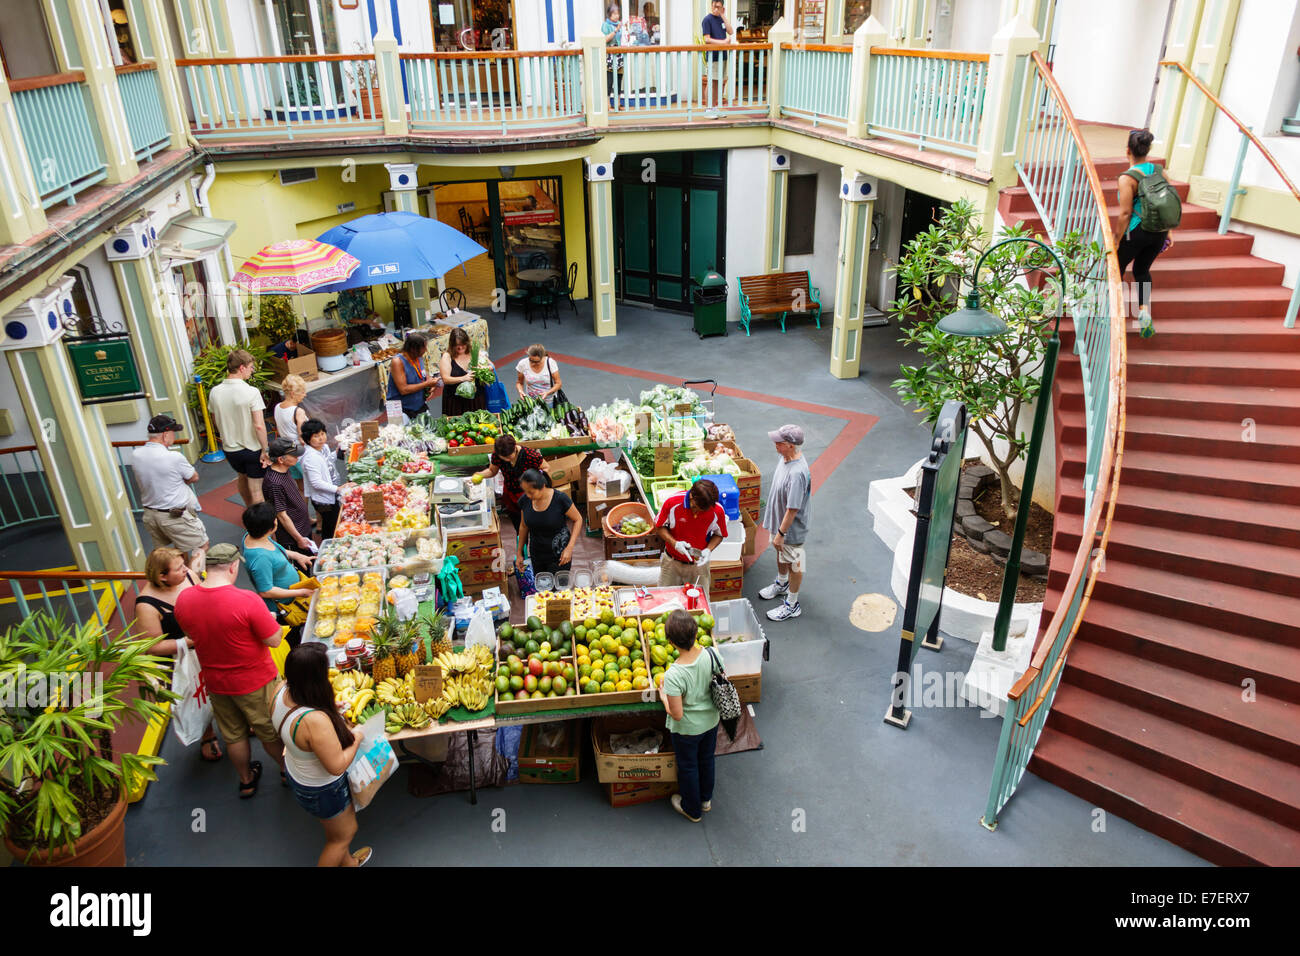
x=398 y=247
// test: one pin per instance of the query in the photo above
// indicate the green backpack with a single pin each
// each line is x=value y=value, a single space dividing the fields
x=1161 y=208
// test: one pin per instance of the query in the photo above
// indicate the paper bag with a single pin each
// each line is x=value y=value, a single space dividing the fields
x=374 y=763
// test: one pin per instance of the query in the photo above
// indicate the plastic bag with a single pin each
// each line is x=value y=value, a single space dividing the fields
x=372 y=766
x=466 y=389
x=480 y=630
x=405 y=604
x=192 y=714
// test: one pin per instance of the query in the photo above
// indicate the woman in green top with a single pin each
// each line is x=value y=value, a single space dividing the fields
x=1136 y=245
x=692 y=718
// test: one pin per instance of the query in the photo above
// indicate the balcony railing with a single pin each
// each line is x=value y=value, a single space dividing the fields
x=283 y=96
x=668 y=82
x=145 y=117
x=815 y=83
x=63 y=144
x=927 y=98
x=497 y=91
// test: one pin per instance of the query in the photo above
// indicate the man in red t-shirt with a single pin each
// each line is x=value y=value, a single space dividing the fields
x=233 y=633
x=690 y=519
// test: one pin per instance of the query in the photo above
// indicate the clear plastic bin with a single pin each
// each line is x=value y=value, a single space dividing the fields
x=732 y=545
x=474 y=517
x=739 y=637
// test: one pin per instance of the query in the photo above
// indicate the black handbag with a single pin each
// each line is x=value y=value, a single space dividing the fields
x=725 y=697
x=559 y=398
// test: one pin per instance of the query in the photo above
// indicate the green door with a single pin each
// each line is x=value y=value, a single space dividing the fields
x=636 y=273
x=668 y=246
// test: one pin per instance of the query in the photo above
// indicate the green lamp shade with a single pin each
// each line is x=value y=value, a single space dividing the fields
x=972 y=321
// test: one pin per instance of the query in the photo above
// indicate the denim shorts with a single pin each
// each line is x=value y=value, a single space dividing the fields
x=325 y=802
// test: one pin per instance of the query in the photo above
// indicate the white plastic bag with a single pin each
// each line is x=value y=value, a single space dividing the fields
x=405 y=604
x=193 y=712
x=480 y=630
x=372 y=765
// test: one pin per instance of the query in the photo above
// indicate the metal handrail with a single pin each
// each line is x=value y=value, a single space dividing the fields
x=1030 y=698
x=104 y=604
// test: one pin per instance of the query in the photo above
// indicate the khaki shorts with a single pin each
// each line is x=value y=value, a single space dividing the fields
x=185 y=532
x=793 y=555
x=672 y=573
x=236 y=716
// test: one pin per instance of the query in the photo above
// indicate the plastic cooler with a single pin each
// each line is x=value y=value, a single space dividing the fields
x=728 y=494
x=739 y=637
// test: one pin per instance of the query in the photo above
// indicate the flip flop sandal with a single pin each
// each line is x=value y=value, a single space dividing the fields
x=363 y=855
x=249 y=790
x=210 y=742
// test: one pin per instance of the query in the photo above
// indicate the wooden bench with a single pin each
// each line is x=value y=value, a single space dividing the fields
x=782 y=293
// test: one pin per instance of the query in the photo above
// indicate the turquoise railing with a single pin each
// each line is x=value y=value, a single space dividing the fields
x=79 y=597
x=62 y=141
x=282 y=96
x=815 y=83
x=146 y=120
x=493 y=91
x=1056 y=168
x=653 y=82
x=931 y=99
x=28 y=497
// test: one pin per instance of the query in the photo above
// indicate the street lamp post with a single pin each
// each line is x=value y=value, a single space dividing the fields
x=976 y=322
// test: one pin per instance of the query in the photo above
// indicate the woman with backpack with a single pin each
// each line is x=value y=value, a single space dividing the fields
x=1148 y=209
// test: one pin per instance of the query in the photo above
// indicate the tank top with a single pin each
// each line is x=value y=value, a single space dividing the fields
x=285 y=424
x=1146 y=169
x=413 y=402
x=171 y=630
x=303 y=765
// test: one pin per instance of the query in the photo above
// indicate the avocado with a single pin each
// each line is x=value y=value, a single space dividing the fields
x=534 y=623
x=506 y=632
x=566 y=629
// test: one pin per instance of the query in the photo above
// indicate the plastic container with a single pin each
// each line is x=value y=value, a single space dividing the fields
x=545 y=581
x=581 y=576
x=739 y=637
x=733 y=545
x=476 y=516
x=728 y=494
x=562 y=579
x=661 y=489
x=628 y=509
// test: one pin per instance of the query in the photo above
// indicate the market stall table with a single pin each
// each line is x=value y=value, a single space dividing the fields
x=537 y=275
x=350 y=393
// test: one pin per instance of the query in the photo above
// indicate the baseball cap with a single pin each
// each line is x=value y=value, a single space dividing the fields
x=792 y=434
x=164 y=423
x=223 y=554
x=280 y=447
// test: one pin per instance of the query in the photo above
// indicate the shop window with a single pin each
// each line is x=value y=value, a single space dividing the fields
x=120 y=35
x=473 y=25
x=84 y=301
x=642 y=23
x=810 y=21
x=856 y=13
x=306 y=27
x=755 y=17
x=800 y=215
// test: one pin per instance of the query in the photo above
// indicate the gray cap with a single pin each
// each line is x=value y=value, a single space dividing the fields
x=280 y=447
x=792 y=434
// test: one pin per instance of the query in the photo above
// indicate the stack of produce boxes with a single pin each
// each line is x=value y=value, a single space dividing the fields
x=482 y=564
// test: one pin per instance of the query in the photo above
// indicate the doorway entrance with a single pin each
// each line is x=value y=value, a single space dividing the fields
x=669 y=224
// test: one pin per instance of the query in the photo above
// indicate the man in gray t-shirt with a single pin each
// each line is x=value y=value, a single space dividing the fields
x=789 y=506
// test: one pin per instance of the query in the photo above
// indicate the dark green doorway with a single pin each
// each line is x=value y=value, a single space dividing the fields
x=669 y=224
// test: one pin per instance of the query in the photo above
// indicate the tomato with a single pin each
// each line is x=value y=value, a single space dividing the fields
x=453 y=443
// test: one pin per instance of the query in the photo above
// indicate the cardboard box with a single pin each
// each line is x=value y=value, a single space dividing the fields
x=598 y=503
x=303 y=365
x=475 y=545
x=630 y=794
x=641 y=548
x=749 y=687
x=564 y=470
x=632 y=768
x=556 y=763
x=751 y=534
x=726 y=581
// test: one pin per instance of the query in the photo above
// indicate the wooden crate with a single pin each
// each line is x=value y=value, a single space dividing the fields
x=642 y=547
x=749 y=687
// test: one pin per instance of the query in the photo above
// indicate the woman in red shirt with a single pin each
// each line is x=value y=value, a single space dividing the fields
x=512 y=459
x=691 y=524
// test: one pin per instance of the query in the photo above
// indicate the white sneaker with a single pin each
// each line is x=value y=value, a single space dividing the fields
x=706 y=806
x=774 y=590
x=784 y=611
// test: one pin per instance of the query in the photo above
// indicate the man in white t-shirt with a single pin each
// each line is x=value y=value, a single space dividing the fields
x=164 y=477
x=237 y=409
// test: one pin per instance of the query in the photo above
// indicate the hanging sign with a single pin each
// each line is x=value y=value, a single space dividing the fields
x=105 y=370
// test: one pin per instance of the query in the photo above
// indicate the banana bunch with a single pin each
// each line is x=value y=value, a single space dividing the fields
x=394 y=690
x=435 y=707
x=456 y=662
x=370 y=711
x=359 y=703
x=473 y=697
x=471 y=691
x=412 y=715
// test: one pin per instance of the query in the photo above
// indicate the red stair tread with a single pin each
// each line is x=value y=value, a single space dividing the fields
x=1247 y=396
x=1251 y=654
x=1241 y=510
x=1275 y=779
x=1216 y=548
x=1207 y=470
x=1276 y=719
x=1266 y=358
x=1266 y=433
x=1214 y=828
x=1251 y=293
x=1213 y=266
x=1173 y=325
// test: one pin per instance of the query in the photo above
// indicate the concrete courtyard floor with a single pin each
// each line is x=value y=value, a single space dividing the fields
x=832 y=785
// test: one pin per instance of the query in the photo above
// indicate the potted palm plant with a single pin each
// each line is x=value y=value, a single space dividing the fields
x=65 y=689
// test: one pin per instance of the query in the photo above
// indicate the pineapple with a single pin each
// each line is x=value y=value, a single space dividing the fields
x=407 y=642
x=439 y=641
x=385 y=642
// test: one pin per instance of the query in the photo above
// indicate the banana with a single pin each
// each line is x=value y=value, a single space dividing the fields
x=362 y=699
x=393 y=728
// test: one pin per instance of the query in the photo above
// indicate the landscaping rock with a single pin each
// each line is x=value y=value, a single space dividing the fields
x=1033 y=563
x=966 y=488
x=975 y=528
x=979 y=472
x=978 y=545
x=965 y=508
x=999 y=541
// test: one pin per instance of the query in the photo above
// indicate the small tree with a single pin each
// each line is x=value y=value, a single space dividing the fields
x=994 y=377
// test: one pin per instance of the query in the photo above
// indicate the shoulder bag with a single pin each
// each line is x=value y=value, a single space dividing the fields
x=724 y=695
x=559 y=398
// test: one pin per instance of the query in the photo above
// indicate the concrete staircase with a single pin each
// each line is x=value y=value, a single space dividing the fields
x=1179 y=706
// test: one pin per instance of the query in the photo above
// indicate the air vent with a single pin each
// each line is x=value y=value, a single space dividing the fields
x=302 y=174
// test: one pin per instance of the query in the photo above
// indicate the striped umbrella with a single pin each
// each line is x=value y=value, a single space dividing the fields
x=295 y=266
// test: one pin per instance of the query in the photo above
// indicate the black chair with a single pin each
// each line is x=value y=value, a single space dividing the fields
x=539 y=260
x=451 y=298
x=572 y=284
x=480 y=232
x=545 y=297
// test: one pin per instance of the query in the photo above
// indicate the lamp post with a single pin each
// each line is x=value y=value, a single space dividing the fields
x=976 y=322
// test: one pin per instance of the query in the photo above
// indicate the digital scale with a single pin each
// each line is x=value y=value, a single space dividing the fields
x=450 y=490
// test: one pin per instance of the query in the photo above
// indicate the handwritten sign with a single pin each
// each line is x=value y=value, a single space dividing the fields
x=663 y=461
x=369 y=432
x=642 y=424
x=558 y=610
x=372 y=504
x=684 y=410
x=428 y=682
x=394 y=412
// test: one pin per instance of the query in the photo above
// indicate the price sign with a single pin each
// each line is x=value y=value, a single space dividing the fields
x=684 y=410
x=369 y=431
x=663 y=461
x=642 y=424
x=394 y=412
x=372 y=504
x=428 y=682
x=558 y=610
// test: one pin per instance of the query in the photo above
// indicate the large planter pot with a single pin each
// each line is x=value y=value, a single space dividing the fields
x=103 y=846
x=371 y=107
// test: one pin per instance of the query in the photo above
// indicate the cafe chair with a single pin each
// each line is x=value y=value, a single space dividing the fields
x=451 y=298
x=572 y=284
x=539 y=260
x=517 y=297
x=544 y=298
x=479 y=233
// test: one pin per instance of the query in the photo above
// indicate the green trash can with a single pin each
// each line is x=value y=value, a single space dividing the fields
x=709 y=297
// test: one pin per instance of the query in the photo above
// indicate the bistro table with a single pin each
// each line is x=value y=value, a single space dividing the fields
x=537 y=275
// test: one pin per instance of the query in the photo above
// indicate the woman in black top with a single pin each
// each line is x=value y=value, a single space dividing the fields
x=454 y=367
x=549 y=525
x=155 y=614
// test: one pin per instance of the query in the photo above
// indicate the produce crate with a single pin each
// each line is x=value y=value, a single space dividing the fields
x=632 y=768
x=551 y=753
x=630 y=794
x=309 y=626
x=661 y=489
x=411 y=563
x=564 y=470
x=749 y=687
x=750 y=484
x=507 y=704
x=642 y=548
x=470 y=546
x=598 y=502
x=470 y=450
x=726 y=580
x=543 y=444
